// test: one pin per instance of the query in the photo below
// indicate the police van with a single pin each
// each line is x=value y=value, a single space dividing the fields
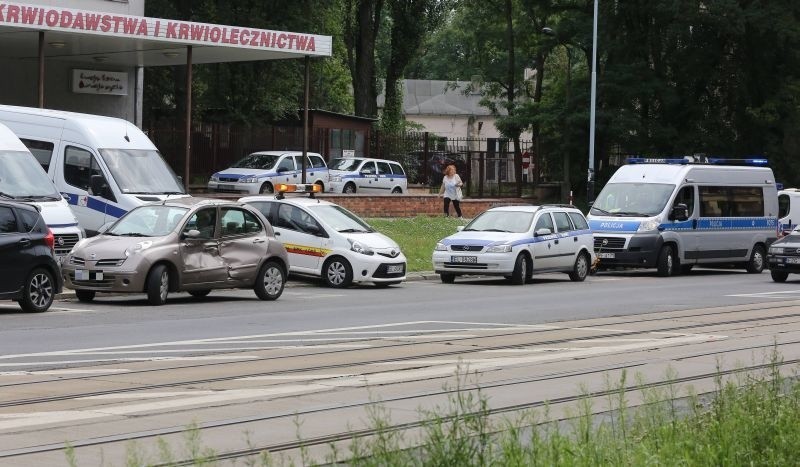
x=672 y=214
x=788 y=209
x=103 y=166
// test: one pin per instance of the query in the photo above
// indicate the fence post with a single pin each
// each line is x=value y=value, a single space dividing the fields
x=425 y=170
x=481 y=172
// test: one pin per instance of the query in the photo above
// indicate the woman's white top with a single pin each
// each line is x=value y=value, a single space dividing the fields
x=451 y=188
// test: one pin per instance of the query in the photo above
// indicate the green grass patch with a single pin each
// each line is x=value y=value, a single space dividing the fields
x=417 y=236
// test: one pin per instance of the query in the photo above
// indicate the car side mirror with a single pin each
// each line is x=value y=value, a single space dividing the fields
x=98 y=186
x=542 y=232
x=679 y=212
x=191 y=234
x=459 y=228
x=281 y=169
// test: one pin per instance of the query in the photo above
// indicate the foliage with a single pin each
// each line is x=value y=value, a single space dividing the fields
x=417 y=236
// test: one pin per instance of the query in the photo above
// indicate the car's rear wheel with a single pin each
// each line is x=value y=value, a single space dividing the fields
x=397 y=190
x=520 y=270
x=267 y=189
x=581 y=268
x=158 y=285
x=199 y=293
x=666 y=261
x=779 y=276
x=350 y=188
x=447 y=278
x=270 y=281
x=85 y=296
x=39 y=291
x=321 y=186
x=756 y=263
x=337 y=273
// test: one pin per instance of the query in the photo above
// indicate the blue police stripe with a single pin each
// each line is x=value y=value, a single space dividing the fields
x=521 y=241
x=613 y=225
x=97 y=205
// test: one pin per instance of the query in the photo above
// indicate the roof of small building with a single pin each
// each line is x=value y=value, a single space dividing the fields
x=439 y=97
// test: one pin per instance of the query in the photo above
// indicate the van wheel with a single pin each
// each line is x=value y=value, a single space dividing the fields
x=337 y=273
x=158 y=285
x=397 y=190
x=756 y=263
x=270 y=281
x=39 y=291
x=85 y=296
x=350 y=188
x=581 y=268
x=267 y=189
x=779 y=276
x=520 y=270
x=447 y=278
x=666 y=261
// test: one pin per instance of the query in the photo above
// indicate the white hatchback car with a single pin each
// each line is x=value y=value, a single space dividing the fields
x=367 y=176
x=326 y=240
x=517 y=242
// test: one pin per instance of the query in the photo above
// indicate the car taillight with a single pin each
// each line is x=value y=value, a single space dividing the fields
x=50 y=240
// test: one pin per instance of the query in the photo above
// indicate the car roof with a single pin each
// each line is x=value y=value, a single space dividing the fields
x=191 y=201
x=280 y=153
x=369 y=159
x=299 y=200
x=17 y=204
x=534 y=208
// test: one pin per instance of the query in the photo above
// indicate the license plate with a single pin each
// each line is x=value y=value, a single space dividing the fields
x=792 y=260
x=394 y=268
x=84 y=275
x=225 y=187
x=606 y=255
x=463 y=259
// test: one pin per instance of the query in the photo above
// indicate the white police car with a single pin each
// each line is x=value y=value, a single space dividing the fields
x=365 y=175
x=517 y=242
x=259 y=172
x=326 y=240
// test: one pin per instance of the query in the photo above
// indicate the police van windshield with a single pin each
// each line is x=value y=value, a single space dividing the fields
x=21 y=177
x=632 y=199
x=141 y=171
x=257 y=161
x=345 y=163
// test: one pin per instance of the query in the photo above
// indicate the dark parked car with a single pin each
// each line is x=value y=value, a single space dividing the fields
x=29 y=273
x=784 y=256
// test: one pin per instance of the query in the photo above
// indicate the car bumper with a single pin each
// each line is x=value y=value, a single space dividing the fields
x=234 y=187
x=378 y=268
x=784 y=263
x=485 y=263
x=335 y=187
x=111 y=279
x=640 y=251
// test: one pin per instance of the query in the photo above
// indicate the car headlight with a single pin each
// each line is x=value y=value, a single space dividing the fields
x=776 y=250
x=647 y=226
x=504 y=248
x=360 y=248
x=215 y=178
x=336 y=178
x=440 y=247
x=141 y=246
x=249 y=180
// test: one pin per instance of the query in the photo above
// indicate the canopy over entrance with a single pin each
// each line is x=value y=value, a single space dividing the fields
x=48 y=33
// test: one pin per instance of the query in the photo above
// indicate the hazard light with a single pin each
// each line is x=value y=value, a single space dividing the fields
x=307 y=188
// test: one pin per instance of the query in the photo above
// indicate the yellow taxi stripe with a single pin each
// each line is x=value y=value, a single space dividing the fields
x=306 y=250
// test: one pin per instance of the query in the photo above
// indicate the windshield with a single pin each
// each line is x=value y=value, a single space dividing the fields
x=148 y=221
x=347 y=163
x=340 y=219
x=502 y=221
x=141 y=171
x=257 y=161
x=21 y=177
x=632 y=199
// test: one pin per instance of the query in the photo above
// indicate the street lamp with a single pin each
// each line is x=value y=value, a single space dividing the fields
x=590 y=181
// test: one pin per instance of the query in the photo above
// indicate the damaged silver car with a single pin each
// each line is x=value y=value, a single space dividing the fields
x=189 y=245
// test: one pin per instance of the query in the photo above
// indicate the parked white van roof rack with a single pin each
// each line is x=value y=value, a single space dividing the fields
x=755 y=161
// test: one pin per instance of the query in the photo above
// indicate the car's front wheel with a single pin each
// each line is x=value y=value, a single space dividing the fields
x=270 y=281
x=158 y=285
x=397 y=190
x=39 y=291
x=447 y=278
x=85 y=296
x=267 y=189
x=779 y=276
x=580 y=269
x=520 y=270
x=756 y=263
x=337 y=272
x=666 y=261
x=350 y=188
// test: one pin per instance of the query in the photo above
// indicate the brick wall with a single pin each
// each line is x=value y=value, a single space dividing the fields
x=413 y=205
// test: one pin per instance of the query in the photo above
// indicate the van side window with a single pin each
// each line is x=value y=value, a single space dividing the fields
x=397 y=169
x=8 y=223
x=562 y=221
x=383 y=168
x=368 y=168
x=79 y=166
x=713 y=201
x=41 y=150
x=686 y=196
x=733 y=201
x=784 y=204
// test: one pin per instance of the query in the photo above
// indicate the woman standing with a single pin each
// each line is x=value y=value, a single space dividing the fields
x=451 y=190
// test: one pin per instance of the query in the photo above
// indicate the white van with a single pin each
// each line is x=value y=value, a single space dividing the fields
x=671 y=214
x=788 y=209
x=103 y=166
x=366 y=175
x=22 y=179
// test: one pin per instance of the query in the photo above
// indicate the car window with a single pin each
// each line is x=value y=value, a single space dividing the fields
x=397 y=169
x=41 y=150
x=79 y=166
x=579 y=221
x=368 y=168
x=286 y=164
x=204 y=220
x=686 y=196
x=545 y=222
x=30 y=220
x=294 y=218
x=562 y=221
x=317 y=162
x=266 y=209
x=8 y=222
x=235 y=221
x=383 y=168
